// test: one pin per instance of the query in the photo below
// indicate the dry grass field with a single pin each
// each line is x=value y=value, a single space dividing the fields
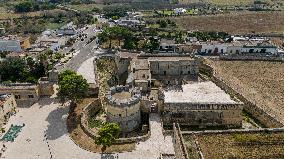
x=11 y=15
x=85 y=7
x=235 y=23
x=260 y=82
x=255 y=145
x=219 y=2
x=229 y=2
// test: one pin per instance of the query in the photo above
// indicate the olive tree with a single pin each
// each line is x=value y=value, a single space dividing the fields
x=72 y=87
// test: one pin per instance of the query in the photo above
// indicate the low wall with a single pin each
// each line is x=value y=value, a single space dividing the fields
x=266 y=119
x=133 y=139
x=232 y=131
x=94 y=107
x=247 y=57
x=179 y=146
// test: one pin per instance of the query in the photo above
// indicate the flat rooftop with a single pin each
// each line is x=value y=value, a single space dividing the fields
x=199 y=92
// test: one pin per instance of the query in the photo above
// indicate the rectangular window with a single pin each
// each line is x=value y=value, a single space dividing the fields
x=17 y=96
x=30 y=96
x=263 y=51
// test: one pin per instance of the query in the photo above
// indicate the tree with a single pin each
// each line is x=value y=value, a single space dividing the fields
x=26 y=6
x=163 y=23
x=153 y=44
x=130 y=43
x=13 y=69
x=116 y=32
x=107 y=135
x=21 y=70
x=72 y=87
x=118 y=10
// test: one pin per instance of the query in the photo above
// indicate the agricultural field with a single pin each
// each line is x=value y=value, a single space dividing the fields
x=260 y=82
x=235 y=22
x=230 y=2
x=253 y=145
x=11 y=15
x=85 y=7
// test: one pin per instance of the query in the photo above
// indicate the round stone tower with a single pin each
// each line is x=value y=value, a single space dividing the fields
x=123 y=107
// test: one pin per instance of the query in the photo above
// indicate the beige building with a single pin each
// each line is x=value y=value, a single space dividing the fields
x=169 y=85
x=25 y=94
x=7 y=105
x=201 y=104
x=169 y=70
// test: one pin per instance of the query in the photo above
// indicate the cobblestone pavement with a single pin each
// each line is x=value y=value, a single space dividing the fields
x=87 y=70
x=45 y=136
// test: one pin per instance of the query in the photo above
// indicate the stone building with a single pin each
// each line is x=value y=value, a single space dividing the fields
x=46 y=84
x=169 y=70
x=45 y=87
x=201 y=104
x=123 y=107
x=169 y=85
x=7 y=105
x=174 y=67
x=26 y=94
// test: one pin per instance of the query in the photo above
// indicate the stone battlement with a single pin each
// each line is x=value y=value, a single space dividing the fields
x=123 y=96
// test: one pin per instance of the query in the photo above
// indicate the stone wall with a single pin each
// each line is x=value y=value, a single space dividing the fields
x=229 y=115
x=179 y=146
x=174 y=68
x=45 y=87
x=53 y=75
x=122 y=65
x=252 y=57
x=26 y=94
x=258 y=113
x=233 y=131
x=94 y=107
x=126 y=111
x=7 y=104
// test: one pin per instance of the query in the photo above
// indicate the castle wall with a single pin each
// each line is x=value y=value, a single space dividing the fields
x=203 y=114
x=125 y=112
x=45 y=87
x=174 y=68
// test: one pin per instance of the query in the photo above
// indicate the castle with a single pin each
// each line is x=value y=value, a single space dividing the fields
x=169 y=85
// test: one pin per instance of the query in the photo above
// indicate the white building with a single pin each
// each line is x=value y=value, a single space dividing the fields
x=251 y=47
x=214 y=48
x=180 y=11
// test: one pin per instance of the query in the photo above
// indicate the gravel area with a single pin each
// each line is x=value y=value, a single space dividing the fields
x=87 y=70
x=45 y=135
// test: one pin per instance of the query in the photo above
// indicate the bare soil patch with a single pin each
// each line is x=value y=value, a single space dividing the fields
x=235 y=23
x=261 y=82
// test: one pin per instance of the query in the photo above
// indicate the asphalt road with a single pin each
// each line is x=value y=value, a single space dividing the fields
x=83 y=51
